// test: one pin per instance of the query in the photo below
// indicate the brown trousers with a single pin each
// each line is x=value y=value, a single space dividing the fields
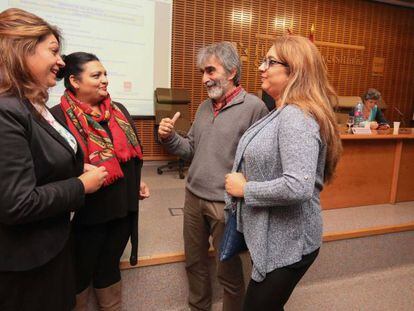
x=203 y=219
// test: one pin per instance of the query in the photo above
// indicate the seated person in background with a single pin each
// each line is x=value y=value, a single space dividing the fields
x=371 y=112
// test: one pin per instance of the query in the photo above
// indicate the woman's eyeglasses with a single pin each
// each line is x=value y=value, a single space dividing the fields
x=268 y=62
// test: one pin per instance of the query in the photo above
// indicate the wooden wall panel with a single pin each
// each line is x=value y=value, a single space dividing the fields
x=357 y=180
x=405 y=188
x=152 y=149
x=384 y=31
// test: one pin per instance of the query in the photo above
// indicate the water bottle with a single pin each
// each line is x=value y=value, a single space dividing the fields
x=358 y=115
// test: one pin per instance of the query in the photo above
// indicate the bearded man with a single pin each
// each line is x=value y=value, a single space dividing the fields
x=211 y=144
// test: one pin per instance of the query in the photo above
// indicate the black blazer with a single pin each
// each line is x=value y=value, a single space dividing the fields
x=38 y=187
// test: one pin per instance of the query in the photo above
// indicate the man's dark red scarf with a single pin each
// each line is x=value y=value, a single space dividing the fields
x=97 y=146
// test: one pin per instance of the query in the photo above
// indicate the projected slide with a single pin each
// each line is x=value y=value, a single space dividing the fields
x=119 y=32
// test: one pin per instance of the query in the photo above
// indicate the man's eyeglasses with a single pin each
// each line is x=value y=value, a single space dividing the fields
x=268 y=62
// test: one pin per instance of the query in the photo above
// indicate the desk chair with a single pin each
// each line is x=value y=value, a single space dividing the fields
x=166 y=103
x=346 y=104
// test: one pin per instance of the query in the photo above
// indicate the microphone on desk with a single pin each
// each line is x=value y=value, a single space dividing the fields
x=401 y=115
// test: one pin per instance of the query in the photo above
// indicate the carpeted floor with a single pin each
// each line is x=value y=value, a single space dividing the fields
x=160 y=224
x=374 y=273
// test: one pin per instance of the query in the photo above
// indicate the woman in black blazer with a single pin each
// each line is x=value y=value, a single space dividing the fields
x=39 y=165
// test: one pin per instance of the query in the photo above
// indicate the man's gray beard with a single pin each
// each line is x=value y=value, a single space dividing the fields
x=219 y=90
x=216 y=92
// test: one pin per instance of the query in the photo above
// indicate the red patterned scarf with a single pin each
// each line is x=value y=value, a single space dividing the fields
x=97 y=146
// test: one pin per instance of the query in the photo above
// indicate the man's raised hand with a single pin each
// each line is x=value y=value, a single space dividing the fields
x=166 y=126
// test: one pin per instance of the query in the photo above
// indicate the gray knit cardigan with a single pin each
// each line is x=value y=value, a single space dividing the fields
x=283 y=158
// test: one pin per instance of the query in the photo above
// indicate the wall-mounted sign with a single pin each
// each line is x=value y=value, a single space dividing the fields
x=349 y=54
x=378 y=66
x=343 y=60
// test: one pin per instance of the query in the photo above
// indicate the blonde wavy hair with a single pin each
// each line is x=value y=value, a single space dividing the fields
x=20 y=32
x=309 y=89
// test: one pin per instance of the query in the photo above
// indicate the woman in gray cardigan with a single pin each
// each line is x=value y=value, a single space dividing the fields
x=281 y=164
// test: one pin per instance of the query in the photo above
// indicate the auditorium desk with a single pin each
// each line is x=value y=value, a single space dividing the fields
x=374 y=169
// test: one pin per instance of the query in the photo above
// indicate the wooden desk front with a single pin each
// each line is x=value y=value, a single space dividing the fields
x=374 y=169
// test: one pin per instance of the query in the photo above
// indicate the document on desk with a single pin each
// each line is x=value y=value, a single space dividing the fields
x=361 y=130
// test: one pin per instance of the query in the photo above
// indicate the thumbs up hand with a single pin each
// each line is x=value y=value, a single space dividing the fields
x=166 y=126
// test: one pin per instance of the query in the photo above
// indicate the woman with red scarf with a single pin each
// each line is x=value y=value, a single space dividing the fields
x=107 y=136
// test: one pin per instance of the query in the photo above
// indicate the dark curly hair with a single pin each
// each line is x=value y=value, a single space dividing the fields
x=74 y=66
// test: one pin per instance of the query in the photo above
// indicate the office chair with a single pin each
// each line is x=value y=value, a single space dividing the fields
x=166 y=103
x=346 y=104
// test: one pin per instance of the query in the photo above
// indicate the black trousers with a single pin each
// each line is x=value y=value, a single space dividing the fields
x=50 y=287
x=98 y=250
x=274 y=291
